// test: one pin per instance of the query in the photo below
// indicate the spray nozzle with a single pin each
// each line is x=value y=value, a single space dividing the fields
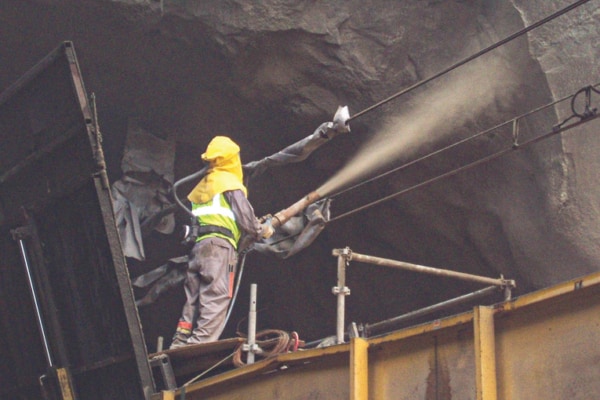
x=340 y=120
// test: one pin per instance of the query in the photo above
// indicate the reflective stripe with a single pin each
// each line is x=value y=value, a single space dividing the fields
x=217 y=213
x=215 y=209
x=184 y=325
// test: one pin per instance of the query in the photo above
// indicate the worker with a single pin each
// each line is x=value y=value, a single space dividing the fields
x=227 y=224
x=296 y=235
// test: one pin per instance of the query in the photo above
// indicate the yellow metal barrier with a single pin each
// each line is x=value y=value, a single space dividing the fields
x=485 y=353
x=359 y=369
x=543 y=345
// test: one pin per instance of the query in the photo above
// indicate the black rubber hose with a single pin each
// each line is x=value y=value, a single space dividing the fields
x=195 y=175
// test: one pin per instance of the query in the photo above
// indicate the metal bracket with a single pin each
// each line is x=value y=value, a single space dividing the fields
x=254 y=348
x=507 y=285
x=515 y=133
x=346 y=253
x=344 y=290
x=588 y=110
x=163 y=362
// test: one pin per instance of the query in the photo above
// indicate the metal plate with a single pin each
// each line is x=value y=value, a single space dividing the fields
x=55 y=198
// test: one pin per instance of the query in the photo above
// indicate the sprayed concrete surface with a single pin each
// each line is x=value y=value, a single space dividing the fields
x=269 y=73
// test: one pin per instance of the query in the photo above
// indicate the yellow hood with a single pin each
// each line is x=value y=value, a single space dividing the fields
x=225 y=171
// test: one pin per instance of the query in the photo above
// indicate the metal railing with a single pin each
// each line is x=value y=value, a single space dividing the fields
x=341 y=291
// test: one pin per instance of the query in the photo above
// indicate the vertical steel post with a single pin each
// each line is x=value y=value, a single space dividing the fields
x=252 y=325
x=359 y=369
x=485 y=353
x=167 y=395
x=341 y=291
x=65 y=383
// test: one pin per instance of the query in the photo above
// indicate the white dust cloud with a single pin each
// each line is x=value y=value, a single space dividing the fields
x=460 y=97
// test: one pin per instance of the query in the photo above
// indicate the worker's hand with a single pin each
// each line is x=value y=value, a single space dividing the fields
x=267 y=230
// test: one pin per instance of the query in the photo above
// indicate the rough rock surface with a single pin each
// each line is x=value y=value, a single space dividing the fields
x=269 y=72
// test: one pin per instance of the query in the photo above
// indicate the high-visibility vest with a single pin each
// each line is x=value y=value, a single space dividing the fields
x=217 y=212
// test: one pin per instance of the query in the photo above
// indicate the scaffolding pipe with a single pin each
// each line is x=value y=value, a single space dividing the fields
x=252 y=326
x=384 y=326
x=341 y=291
x=349 y=255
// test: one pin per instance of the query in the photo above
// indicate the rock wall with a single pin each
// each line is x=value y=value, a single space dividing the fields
x=568 y=58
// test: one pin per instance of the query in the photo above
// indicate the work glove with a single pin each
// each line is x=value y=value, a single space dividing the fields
x=267 y=230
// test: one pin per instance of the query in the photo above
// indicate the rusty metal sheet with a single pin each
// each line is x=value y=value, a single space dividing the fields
x=549 y=349
x=319 y=378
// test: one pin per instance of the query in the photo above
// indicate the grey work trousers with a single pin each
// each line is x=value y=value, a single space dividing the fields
x=209 y=288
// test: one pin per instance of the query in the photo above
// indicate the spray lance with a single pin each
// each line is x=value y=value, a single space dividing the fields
x=339 y=124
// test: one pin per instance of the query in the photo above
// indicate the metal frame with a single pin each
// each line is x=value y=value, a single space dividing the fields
x=341 y=291
x=486 y=341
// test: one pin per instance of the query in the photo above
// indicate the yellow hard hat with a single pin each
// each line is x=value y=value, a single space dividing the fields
x=220 y=148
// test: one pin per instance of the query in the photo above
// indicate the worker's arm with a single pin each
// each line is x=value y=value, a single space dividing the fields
x=300 y=150
x=251 y=228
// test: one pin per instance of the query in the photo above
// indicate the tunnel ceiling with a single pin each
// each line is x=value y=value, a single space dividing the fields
x=267 y=73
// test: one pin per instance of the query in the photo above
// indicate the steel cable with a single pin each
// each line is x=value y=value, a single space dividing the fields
x=556 y=130
x=477 y=135
x=435 y=76
x=472 y=57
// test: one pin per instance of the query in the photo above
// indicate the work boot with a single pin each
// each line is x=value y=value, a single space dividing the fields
x=182 y=334
x=178 y=341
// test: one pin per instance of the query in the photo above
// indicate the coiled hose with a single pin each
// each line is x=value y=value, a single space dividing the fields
x=272 y=342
